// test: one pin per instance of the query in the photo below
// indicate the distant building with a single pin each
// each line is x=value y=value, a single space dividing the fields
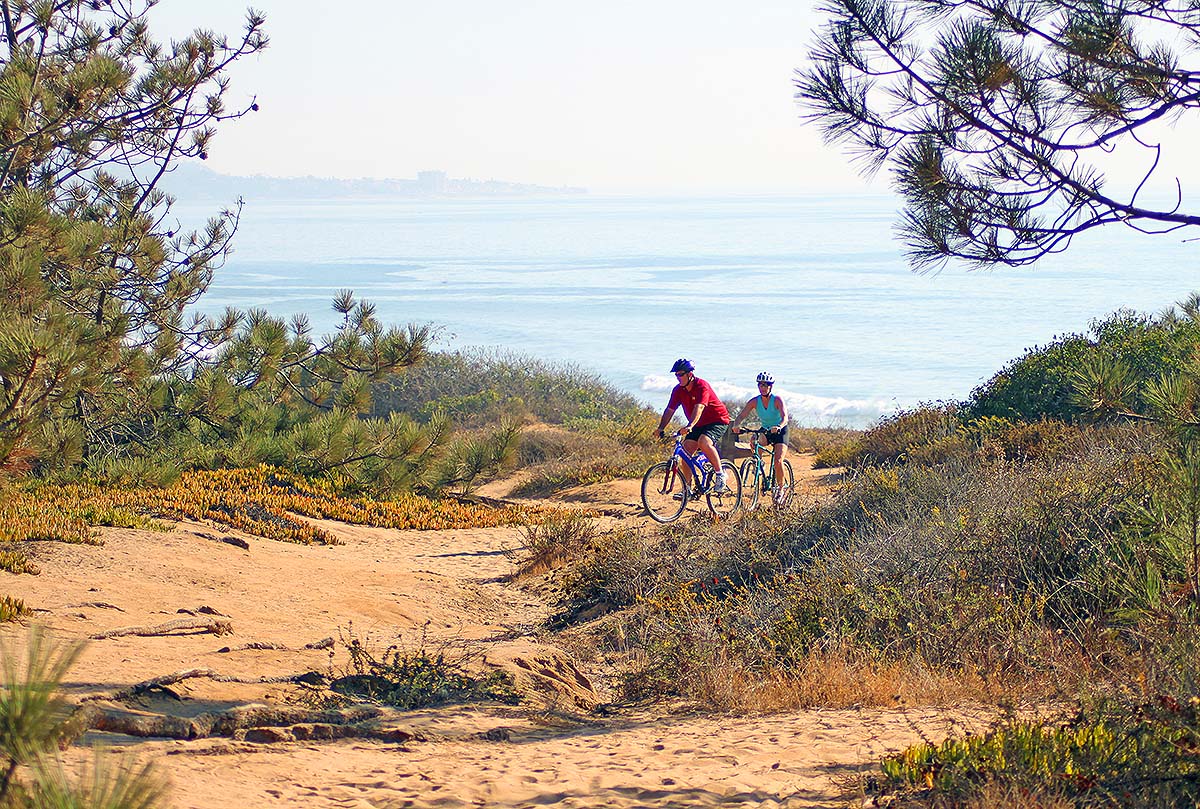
x=431 y=182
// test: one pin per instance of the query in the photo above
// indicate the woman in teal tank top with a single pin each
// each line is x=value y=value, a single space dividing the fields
x=772 y=415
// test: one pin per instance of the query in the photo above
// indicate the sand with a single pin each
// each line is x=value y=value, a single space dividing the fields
x=452 y=589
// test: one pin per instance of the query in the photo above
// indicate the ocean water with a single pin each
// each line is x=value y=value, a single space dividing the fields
x=813 y=289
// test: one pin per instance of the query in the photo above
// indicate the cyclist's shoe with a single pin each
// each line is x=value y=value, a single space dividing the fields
x=780 y=495
x=719 y=486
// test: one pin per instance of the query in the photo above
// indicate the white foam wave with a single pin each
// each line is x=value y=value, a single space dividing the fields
x=804 y=408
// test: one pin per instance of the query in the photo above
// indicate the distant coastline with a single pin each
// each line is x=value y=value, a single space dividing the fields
x=193 y=181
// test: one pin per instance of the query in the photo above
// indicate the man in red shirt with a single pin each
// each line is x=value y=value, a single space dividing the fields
x=706 y=418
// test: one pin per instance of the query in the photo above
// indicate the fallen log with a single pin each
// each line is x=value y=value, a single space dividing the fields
x=193 y=626
x=260 y=645
x=218 y=723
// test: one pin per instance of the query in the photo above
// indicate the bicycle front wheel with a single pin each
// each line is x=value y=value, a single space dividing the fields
x=750 y=484
x=726 y=502
x=660 y=484
x=789 y=484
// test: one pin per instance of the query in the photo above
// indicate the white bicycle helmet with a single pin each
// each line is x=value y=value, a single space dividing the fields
x=765 y=377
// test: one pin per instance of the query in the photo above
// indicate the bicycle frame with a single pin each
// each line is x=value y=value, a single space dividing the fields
x=758 y=471
x=765 y=471
x=701 y=468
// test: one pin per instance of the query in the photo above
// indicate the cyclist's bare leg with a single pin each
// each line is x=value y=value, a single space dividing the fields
x=684 y=469
x=705 y=444
x=780 y=451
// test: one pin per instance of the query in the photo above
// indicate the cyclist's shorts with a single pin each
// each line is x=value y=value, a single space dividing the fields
x=770 y=439
x=714 y=432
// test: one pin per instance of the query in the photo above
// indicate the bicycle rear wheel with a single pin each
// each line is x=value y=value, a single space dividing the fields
x=726 y=502
x=750 y=484
x=659 y=485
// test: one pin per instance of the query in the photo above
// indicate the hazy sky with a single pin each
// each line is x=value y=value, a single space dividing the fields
x=617 y=96
x=655 y=96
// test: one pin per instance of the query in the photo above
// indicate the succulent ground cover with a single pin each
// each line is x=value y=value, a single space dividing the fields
x=264 y=501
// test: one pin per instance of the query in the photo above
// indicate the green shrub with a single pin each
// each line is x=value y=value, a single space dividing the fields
x=35 y=720
x=1019 y=568
x=1040 y=385
x=832 y=446
x=897 y=435
x=415 y=678
x=1145 y=757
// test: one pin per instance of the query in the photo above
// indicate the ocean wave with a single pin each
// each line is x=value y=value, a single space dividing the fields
x=804 y=408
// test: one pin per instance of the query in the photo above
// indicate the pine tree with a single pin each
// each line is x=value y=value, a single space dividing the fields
x=995 y=115
x=96 y=283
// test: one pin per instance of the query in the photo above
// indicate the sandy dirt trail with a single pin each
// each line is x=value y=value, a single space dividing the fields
x=553 y=749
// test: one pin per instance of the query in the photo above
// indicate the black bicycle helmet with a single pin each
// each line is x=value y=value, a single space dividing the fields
x=682 y=366
x=765 y=377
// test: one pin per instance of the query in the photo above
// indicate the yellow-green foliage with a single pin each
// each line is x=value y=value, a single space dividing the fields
x=12 y=609
x=17 y=562
x=1121 y=760
x=264 y=501
x=38 y=514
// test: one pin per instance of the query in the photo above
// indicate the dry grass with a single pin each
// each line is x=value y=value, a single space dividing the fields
x=555 y=540
x=1006 y=796
x=846 y=679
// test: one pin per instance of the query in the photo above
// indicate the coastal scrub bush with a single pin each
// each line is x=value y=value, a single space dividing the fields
x=1036 y=567
x=1042 y=383
x=894 y=437
x=832 y=446
x=476 y=387
x=556 y=538
x=584 y=460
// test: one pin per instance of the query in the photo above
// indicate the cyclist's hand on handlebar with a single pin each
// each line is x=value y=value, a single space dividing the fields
x=737 y=430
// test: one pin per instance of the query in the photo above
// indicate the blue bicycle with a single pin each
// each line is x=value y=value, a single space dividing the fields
x=665 y=493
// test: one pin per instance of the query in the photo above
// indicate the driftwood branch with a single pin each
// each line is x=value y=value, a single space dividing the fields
x=324 y=643
x=227 y=723
x=228 y=539
x=318 y=731
x=192 y=626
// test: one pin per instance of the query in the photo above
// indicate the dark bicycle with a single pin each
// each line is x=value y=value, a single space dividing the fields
x=758 y=474
x=665 y=493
